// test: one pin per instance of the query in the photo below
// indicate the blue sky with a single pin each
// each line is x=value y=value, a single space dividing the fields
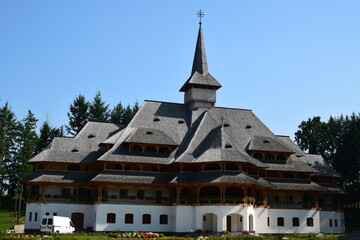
x=285 y=60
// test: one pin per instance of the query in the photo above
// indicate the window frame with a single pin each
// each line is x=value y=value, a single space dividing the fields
x=111 y=218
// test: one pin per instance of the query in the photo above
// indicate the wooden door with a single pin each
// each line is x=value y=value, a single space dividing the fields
x=228 y=223
x=78 y=221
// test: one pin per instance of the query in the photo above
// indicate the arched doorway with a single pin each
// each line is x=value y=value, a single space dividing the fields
x=251 y=223
x=209 y=222
x=234 y=222
x=78 y=220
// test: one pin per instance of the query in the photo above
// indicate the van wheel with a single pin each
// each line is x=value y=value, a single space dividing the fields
x=57 y=232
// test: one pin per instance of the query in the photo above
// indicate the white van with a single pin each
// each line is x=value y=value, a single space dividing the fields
x=57 y=224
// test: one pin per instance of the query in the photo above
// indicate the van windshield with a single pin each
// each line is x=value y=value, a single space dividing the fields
x=50 y=221
x=44 y=221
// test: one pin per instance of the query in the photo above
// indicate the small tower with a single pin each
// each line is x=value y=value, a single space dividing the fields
x=200 y=88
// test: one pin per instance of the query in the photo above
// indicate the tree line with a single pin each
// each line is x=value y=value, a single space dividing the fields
x=19 y=140
x=338 y=141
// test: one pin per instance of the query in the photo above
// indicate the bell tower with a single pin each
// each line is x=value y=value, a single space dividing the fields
x=200 y=88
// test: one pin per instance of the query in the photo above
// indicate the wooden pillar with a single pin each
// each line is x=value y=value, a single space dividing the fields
x=265 y=202
x=245 y=195
x=197 y=192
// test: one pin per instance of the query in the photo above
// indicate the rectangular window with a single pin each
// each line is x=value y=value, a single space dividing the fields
x=36 y=216
x=129 y=218
x=111 y=218
x=30 y=216
x=55 y=214
x=268 y=221
x=146 y=219
x=330 y=222
x=280 y=221
x=140 y=194
x=310 y=222
x=295 y=222
x=123 y=193
x=335 y=222
x=163 y=219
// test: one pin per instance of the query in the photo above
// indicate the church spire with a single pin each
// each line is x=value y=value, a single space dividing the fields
x=200 y=88
x=200 y=62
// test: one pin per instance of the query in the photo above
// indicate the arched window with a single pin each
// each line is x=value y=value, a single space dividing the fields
x=212 y=167
x=41 y=167
x=164 y=150
x=150 y=150
x=66 y=192
x=258 y=156
x=288 y=175
x=163 y=219
x=146 y=219
x=280 y=222
x=132 y=167
x=129 y=218
x=136 y=148
x=189 y=168
x=110 y=218
x=35 y=190
x=295 y=222
x=232 y=167
x=73 y=168
x=269 y=157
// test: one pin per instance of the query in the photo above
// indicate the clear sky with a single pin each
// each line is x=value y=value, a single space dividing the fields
x=285 y=60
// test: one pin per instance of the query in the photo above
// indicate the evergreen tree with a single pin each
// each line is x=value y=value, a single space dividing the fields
x=8 y=144
x=98 y=110
x=78 y=115
x=117 y=113
x=47 y=133
x=128 y=115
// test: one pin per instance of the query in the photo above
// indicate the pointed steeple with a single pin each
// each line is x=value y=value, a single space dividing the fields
x=200 y=88
x=200 y=62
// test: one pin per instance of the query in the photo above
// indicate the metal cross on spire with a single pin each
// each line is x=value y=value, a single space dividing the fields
x=200 y=14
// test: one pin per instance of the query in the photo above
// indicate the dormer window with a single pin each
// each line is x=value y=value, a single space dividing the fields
x=149 y=133
x=181 y=121
x=266 y=141
x=91 y=136
x=75 y=150
x=156 y=119
x=228 y=146
x=226 y=125
x=248 y=127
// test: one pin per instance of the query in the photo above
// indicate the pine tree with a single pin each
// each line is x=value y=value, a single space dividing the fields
x=78 y=115
x=98 y=110
x=128 y=115
x=8 y=144
x=117 y=114
x=47 y=133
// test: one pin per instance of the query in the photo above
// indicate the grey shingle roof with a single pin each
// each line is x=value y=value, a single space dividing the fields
x=150 y=136
x=268 y=144
x=293 y=166
x=297 y=185
x=83 y=148
x=218 y=177
x=199 y=73
x=317 y=162
x=132 y=177
x=59 y=177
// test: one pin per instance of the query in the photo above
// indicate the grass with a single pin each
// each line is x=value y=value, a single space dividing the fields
x=7 y=218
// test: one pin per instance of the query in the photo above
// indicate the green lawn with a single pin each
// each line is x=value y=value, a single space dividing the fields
x=7 y=219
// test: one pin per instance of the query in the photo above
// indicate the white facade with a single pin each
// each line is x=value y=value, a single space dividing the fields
x=182 y=218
